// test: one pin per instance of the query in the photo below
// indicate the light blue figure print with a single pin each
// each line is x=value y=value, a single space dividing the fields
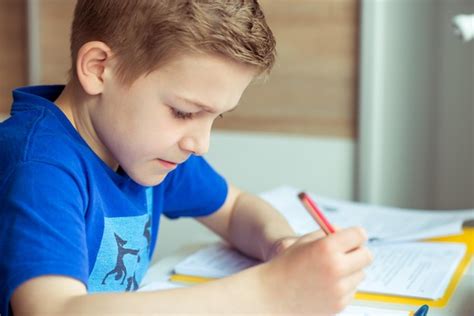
x=120 y=268
x=123 y=255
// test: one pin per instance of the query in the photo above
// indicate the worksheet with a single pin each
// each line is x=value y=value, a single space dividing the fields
x=216 y=261
x=402 y=266
x=386 y=224
x=412 y=269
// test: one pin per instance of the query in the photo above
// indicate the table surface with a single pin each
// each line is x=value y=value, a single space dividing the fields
x=460 y=304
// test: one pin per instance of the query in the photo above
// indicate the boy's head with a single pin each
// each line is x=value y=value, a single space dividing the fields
x=155 y=74
x=144 y=34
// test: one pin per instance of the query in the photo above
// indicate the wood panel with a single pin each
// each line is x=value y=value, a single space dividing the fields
x=13 y=53
x=312 y=89
x=55 y=18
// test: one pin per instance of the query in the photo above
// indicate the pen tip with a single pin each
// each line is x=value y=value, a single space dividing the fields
x=301 y=194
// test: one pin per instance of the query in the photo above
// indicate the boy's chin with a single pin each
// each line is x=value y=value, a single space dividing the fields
x=150 y=180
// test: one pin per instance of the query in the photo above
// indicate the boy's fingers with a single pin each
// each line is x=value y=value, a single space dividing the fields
x=349 y=287
x=352 y=281
x=349 y=297
x=357 y=260
x=348 y=239
x=312 y=236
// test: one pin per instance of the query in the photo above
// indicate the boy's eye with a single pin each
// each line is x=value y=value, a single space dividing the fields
x=181 y=115
x=185 y=115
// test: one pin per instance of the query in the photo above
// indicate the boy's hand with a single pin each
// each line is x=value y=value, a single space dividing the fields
x=282 y=244
x=317 y=274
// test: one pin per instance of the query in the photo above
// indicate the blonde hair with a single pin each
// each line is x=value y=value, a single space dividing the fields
x=143 y=34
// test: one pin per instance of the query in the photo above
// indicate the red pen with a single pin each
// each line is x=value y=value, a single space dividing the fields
x=316 y=213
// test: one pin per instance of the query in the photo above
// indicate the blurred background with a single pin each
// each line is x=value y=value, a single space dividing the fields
x=370 y=100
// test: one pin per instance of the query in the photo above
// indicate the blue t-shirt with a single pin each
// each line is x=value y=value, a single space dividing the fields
x=63 y=211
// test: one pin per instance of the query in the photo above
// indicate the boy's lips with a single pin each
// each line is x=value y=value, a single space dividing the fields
x=168 y=164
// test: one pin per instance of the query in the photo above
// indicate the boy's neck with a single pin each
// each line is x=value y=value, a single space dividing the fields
x=64 y=103
x=75 y=105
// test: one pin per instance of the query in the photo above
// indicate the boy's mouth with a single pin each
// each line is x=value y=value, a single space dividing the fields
x=167 y=164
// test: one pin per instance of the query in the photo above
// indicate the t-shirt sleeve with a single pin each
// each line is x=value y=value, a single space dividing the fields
x=193 y=189
x=42 y=230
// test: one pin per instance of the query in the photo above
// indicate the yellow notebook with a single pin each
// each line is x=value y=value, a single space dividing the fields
x=466 y=237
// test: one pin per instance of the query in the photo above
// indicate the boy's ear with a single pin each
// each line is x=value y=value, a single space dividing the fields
x=93 y=59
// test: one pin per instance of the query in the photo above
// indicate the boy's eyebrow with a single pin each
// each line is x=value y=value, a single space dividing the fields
x=203 y=106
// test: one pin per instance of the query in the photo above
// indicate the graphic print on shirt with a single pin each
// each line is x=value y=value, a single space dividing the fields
x=120 y=268
x=123 y=255
x=147 y=233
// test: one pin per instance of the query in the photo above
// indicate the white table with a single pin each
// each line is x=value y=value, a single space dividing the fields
x=460 y=304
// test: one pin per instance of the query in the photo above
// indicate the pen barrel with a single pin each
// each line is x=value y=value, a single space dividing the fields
x=316 y=213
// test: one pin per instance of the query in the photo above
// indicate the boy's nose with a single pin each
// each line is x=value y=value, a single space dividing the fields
x=198 y=143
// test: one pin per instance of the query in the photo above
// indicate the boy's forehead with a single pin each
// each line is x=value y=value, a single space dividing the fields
x=205 y=62
x=206 y=81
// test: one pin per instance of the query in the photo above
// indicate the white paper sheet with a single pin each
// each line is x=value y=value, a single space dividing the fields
x=215 y=261
x=159 y=285
x=381 y=223
x=368 y=311
x=405 y=268
x=412 y=269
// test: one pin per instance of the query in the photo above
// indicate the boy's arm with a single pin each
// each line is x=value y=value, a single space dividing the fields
x=58 y=295
x=315 y=275
x=251 y=224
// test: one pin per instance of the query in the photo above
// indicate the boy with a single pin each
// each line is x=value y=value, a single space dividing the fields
x=87 y=169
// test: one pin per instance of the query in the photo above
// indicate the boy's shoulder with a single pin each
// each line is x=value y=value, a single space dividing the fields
x=37 y=131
